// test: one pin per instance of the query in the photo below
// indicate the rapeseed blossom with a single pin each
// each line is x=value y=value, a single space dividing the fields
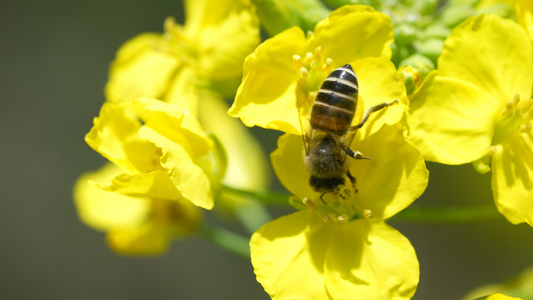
x=169 y=159
x=342 y=248
x=194 y=66
x=156 y=177
x=477 y=108
x=140 y=218
x=290 y=62
x=175 y=65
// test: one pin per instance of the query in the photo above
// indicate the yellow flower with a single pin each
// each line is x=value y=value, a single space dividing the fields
x=344 y=248
x=291 y=63
x=477 y=107
x=146 y=136
x=141 y=217
x=192 y=65
x=159 y=176
x=208 y=51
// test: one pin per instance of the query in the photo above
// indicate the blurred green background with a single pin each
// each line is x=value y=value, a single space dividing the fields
x=54 y=57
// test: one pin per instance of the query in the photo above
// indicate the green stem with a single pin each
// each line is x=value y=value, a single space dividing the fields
x=226 y=239
x=414 y=214
x=265 y=197
x=419 y=214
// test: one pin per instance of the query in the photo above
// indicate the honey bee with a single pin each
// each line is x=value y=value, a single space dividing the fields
x=327 y=140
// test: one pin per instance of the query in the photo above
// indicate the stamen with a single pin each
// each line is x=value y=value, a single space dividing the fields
x=318 y=57
x=328 y=217
x=328 y=66
x=524 y=128
x=367 y=214
x=304 y=73
x=343 y=218
x=309 y=203
x=511 y=105
x=297 y=62
x=308 y=58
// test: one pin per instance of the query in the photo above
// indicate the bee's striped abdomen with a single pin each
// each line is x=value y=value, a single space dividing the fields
x=335 y=103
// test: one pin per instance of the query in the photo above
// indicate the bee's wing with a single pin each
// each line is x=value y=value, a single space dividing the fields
x=304 y=115
x=347 y=138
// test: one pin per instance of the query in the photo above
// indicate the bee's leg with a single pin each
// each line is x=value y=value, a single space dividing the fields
x=352 y=180
x=354 y=154
x=372 y=109
x=323 y=199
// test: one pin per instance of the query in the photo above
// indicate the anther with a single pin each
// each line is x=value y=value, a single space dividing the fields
x=310 y=204
x=304 y=73
x=511 y=105
x=308 y=58
x=343 y=218
x=328 y=217
x=328 y=66
x=524 y=128
x=367 y=214
x=297 y=62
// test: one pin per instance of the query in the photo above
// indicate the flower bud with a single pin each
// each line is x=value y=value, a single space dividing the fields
x=278 y=15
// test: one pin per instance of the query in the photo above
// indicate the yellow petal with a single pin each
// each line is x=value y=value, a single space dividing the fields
x=390 y=181
x=220 y=59
x=156 y=184
x=353 y=32
x=247 y=167
x=266 y=96
x=175 y=123
x=104 y=210
x=140 y=69
x=114 y=136
x=206 y=13
x=378 y=83
x=372 y=260
x=288 y=256
x=512 y=178
x=524 y=15
x=501 y=297
x=393 y=178
x=452 y=121
x=147 y=239
x=183 y=90
x=189 y=178
x=288 y=163
x=492 y=54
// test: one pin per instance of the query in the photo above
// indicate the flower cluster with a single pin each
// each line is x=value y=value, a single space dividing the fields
x=449 y=84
